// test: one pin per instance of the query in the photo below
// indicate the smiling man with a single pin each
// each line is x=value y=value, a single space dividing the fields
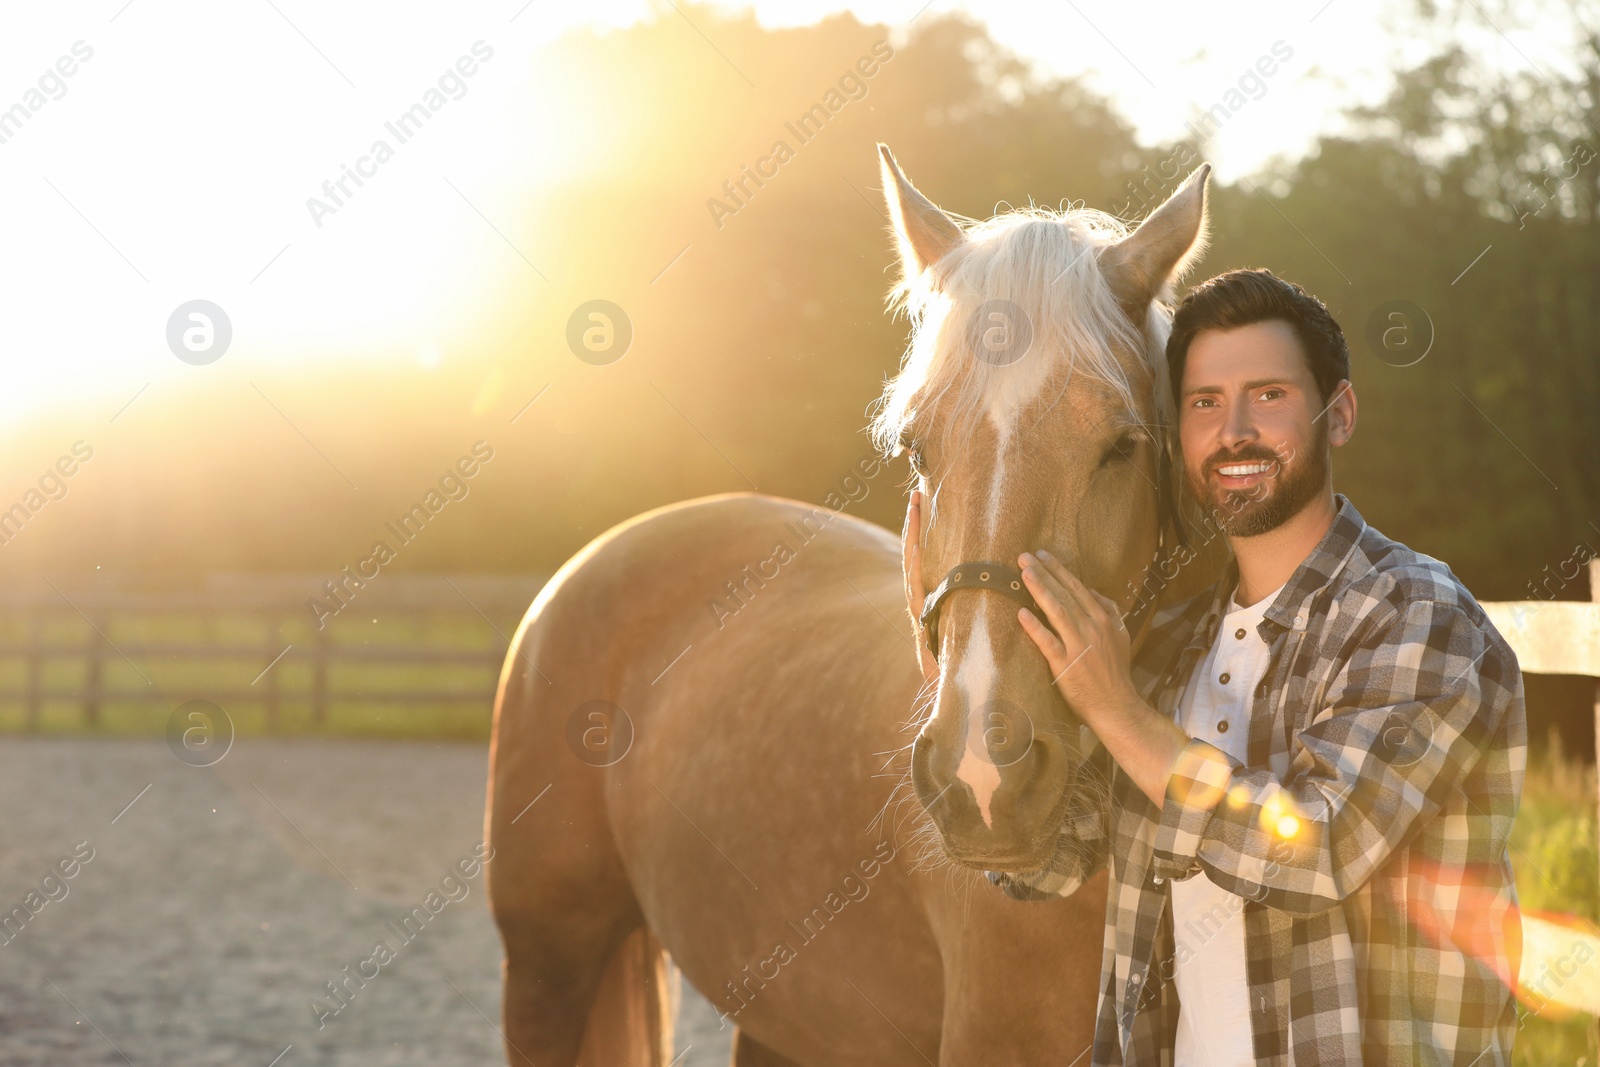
x=1317 y=764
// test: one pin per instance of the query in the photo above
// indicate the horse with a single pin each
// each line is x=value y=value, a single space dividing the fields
x=702 y=769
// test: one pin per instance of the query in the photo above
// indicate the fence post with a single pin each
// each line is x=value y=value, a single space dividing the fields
x=35 y=664
x=1594 y=595
x=94 y=680
x=319 y=678
x=274 y=635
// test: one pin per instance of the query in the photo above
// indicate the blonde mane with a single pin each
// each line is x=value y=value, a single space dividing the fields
x=1047 y=264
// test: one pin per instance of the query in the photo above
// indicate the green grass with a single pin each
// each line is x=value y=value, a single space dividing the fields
x=1557 y=861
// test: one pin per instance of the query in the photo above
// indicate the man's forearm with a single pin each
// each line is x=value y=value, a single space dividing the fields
x=1145 y=745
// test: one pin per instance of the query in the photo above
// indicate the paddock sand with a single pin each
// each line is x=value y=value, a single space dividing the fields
x=217 y=905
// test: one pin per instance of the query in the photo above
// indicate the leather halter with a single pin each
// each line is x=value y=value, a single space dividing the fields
x=1006 y=580
x=1002 y=578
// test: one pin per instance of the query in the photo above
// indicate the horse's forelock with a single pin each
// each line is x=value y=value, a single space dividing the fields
x=1047 y=264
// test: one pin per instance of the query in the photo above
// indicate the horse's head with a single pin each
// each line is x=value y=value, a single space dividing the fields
x=1033 y=403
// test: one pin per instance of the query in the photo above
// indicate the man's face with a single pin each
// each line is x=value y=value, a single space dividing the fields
x=1253 y=427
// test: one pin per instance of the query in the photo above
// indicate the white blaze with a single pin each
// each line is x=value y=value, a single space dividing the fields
x=1005 y=411
x=978 y=678
x=980 y=674
x=976 y=681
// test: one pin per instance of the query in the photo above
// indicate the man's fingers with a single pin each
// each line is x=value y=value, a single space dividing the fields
x=916 y=595
x=1109 y=606
x=913 y=529
x=1055 y=653
x=1051 y=564
x=1048 y=595
x=911 y=551
x=916 y=546
x=1086 y=599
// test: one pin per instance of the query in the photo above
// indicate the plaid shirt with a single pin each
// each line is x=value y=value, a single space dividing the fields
x=1367 y=832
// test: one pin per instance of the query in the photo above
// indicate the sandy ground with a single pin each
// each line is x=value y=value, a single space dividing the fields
x=217 y=905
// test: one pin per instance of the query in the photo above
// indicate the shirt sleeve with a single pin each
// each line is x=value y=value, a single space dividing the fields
x=1407 y=719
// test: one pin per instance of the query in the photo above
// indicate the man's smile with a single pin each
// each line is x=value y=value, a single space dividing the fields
x=1243 y=474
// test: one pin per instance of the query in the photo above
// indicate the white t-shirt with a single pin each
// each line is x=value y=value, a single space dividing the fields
x=1208 y=921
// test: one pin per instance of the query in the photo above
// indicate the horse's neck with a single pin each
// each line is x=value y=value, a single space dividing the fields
x=1206 y=558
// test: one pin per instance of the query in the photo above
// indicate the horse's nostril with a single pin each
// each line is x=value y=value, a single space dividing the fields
x=935 y=792
x=998 y=797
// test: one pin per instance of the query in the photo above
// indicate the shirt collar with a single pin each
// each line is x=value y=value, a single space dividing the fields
x=1290 y=609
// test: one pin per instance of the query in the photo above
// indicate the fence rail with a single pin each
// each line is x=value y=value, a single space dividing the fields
x=234 y=638
x=1549 y=637
x=1555 y=636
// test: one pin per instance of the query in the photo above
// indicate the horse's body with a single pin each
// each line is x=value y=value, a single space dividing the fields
x=744 y=816
x=760 y=814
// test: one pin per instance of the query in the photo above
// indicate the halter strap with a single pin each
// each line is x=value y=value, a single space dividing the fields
x=1002 y=578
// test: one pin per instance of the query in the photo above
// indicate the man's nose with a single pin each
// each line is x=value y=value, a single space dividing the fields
x=1238 y=428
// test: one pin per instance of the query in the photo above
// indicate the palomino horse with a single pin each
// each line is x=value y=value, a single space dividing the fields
x=671 y=777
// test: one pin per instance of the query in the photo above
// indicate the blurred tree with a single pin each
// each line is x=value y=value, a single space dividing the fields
x=760 y=333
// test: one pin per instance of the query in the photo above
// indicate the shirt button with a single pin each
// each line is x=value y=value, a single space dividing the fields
x=1222 y=727
x=1225 y=677
x=1239 y=633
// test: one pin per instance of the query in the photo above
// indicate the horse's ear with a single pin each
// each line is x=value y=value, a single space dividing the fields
x=1142 y=265
x=923 y=233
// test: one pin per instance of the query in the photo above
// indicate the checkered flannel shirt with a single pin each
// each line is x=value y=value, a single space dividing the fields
x=1367 y=831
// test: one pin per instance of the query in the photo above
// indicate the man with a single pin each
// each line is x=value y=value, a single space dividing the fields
x=1317 y=765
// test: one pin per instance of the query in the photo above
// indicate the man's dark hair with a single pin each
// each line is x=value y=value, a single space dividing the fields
x=1244 y=297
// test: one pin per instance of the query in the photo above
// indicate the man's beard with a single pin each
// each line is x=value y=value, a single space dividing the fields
x=1269 y=503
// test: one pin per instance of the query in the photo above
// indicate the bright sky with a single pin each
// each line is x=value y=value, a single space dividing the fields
x=176 y=160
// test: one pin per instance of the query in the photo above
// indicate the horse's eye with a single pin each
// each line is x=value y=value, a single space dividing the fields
x=913 y=451
x=1123 y=448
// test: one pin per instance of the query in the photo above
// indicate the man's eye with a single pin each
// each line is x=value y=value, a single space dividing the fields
x=1271 y=394
x=1203 y=402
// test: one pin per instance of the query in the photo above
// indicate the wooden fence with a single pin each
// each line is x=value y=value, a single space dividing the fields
x=114 y=644
x=1556 y=636
x=109 y=625
x=251 y=630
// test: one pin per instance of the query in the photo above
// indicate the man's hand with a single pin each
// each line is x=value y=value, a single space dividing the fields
x=1089 y=660
x=1089 y=665
x=911 y=570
